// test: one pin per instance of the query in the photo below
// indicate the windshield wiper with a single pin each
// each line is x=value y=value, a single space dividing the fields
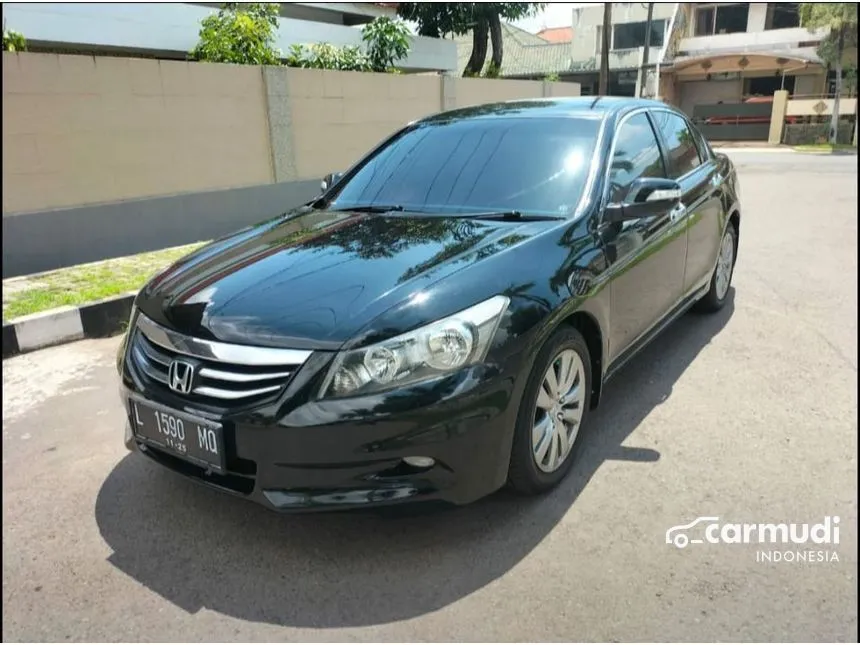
x=370 y=208
x=506 y=215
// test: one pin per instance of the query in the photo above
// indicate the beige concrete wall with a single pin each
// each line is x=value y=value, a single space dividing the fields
x=809 y=84
x=564 y=89
x=820 y=107
x=81 y=130
x=339 y=116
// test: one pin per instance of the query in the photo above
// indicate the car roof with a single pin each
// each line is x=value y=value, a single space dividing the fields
x=601 y=107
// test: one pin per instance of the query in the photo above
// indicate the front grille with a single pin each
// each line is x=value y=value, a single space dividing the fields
x=225 y=375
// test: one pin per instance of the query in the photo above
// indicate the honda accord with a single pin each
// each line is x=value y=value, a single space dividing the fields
x=439 y=322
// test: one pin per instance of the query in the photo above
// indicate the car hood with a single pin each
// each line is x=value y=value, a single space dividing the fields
x=314 y=279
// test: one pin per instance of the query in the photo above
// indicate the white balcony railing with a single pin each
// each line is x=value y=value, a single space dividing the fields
x=771 y=40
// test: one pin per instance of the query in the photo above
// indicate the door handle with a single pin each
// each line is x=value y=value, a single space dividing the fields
x=716 y=179
x=677 y=213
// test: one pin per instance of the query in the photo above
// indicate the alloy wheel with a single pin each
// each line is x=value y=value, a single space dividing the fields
x=558 y=411
x=724 y=264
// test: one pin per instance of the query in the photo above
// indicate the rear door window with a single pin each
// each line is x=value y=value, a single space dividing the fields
x=681 y=148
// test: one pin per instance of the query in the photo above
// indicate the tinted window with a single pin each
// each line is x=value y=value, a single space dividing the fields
x=636 y=155
x=526 y=164
x=702 y=144
x=680 y=146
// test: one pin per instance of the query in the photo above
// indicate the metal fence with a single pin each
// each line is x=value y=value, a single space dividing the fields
x=734 y=121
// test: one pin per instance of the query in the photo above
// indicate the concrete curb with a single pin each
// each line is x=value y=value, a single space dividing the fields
x=829 y=153
x=761 y=150
x=66 y=324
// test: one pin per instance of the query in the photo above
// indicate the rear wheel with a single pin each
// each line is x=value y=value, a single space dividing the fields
x=718 y=292
x=552 y=413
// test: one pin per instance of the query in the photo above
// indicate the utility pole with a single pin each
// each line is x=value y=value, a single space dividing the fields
x=603 y=82
x=643 y=72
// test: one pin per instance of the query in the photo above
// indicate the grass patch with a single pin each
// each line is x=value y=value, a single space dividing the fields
x=85 y=283
x=825 y=147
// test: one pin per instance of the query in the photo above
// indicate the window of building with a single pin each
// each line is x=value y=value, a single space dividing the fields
x=767 y=85
x=629 y=35
x=722 y=19
x=782 y=15
x=622 y=83
x=705 y=21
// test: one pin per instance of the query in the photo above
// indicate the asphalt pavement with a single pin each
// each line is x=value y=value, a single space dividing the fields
x=749 y=415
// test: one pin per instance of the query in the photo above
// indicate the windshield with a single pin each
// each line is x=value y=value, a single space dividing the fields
x=535 y=166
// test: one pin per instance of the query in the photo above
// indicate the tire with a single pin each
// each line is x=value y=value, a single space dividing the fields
x=712 y=301
x=525 y=475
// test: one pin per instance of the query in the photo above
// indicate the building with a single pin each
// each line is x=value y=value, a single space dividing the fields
x=573 y=53
x=731 y=52
x=170 y=30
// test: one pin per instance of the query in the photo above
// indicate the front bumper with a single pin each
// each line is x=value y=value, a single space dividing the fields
x=333 y=455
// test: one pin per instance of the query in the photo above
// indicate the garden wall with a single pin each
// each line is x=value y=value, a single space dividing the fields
x=108 y=156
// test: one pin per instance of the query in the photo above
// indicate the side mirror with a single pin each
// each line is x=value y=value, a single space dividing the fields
x=646 y=197
x=329 y=180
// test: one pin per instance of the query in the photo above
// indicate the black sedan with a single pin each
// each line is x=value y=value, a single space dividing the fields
x=439 y=322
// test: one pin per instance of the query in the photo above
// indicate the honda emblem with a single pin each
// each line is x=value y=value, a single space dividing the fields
x=180 y=376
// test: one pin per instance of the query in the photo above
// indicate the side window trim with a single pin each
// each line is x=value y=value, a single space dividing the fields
x=661 y=143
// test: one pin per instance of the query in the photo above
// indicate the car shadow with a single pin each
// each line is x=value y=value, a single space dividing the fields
x=198 y=548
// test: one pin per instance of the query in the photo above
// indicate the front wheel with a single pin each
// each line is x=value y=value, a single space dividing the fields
x=553 y=410
x=717 y=295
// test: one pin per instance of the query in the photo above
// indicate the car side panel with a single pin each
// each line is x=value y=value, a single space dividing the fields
x=704 y=223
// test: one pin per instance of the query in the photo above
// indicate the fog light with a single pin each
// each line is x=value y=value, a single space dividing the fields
x=419 y=462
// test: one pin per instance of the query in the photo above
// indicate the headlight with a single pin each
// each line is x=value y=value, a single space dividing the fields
x=436 y=349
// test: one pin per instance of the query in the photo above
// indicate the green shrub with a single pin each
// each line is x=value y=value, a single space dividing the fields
x=13 y=41
x=239 y=33
x=387 y=42
x=492 y=71
x=326 y=56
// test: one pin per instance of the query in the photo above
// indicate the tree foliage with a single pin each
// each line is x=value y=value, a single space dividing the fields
x=840 y=19
x=483 y=19
x=239 y=33
x=387 y=42
x=13 y=41
x=326 y=56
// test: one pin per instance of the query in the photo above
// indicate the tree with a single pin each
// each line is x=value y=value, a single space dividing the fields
x=643 y=72
x=12 y=40
x=603 y=82
x=484 y=19
x=387 y=42
x=841 y=19
x=239 y=33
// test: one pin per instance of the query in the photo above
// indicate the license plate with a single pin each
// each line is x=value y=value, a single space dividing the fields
x=197 y=440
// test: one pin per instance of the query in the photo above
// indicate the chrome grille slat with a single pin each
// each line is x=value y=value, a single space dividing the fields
x=226 y=374
x=153 y=354
x=146 y=367
x=235 y=377
x=232 y=395
x=217 y=351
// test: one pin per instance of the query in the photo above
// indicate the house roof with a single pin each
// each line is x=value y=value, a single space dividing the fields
x=524 y=53
x=557 y=34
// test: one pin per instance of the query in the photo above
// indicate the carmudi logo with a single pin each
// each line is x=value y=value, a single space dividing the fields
x=709 y=530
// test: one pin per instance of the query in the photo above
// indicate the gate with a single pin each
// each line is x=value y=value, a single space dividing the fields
x=734 y=121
